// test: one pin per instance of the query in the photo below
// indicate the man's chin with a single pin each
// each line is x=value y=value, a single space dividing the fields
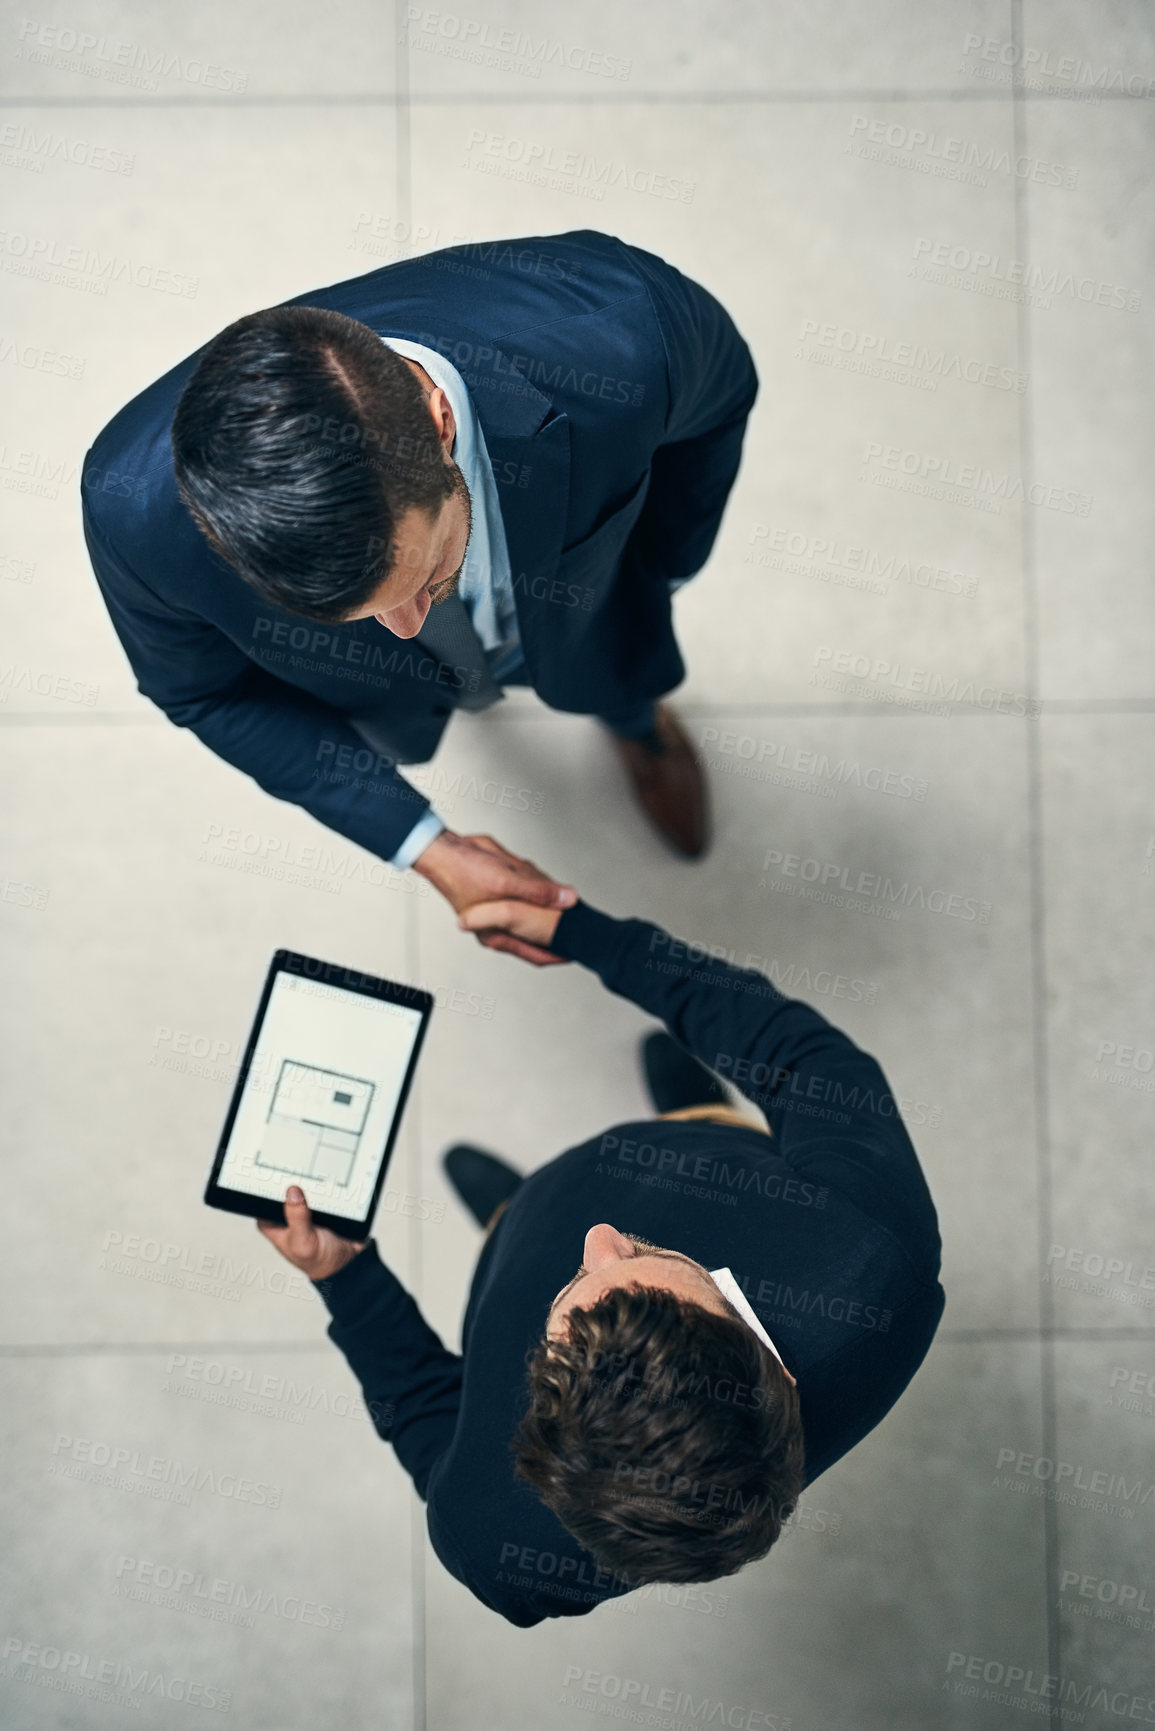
x=394 y=632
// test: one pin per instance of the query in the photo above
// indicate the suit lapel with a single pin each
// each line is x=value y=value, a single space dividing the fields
x=534 y=528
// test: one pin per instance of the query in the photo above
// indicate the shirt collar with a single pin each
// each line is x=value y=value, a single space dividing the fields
x=730 y=1289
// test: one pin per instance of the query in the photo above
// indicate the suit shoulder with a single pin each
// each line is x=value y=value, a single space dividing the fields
x=128 y=466
x=499 y=286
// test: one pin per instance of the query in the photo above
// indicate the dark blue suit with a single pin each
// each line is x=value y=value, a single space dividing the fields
x=827 y=1225
x=612 y=392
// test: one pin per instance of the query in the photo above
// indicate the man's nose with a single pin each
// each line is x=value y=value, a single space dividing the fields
x=406 y=621
x=604 y=1243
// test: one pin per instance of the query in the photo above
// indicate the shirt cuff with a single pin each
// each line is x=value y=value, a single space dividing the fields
x=425 y=830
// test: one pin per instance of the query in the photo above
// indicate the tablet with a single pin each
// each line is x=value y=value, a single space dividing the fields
x=320 y=1093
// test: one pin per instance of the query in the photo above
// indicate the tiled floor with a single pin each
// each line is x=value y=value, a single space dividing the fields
x=964 y=178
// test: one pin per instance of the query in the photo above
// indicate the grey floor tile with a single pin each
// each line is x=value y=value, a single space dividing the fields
x=1090 y=352
x=252 y=1554
x=125 y=51
x=1102 y=1481
x=1098 y=861
x=908 y=1550
x=520 y=51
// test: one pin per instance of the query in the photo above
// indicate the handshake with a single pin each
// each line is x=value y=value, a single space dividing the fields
x=506 y=901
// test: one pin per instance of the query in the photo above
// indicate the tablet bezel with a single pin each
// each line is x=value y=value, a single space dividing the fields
x=349 y=980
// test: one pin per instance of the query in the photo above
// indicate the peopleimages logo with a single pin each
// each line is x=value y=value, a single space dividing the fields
x=761 y=758
x=932 y=152
x=177 y=1588
x=792 y=978
x=543 y=163
x=834 y=879
x=1073 y=1483
x=781 y=1086
x=1030 y=65
x=973 y=478
x=891 y=680
x=78 y=1673
x=871 y=353
x=1108 y=1592
x=965 y=1669
x=636 y=1692
x=476 y=40
x=131 y=1468
x=845 y=564
x=1075 y=1260
x=990 y=273
x=120 y=59
x=228 y=1384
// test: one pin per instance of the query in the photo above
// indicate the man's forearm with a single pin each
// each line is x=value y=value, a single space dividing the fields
x=833 y=1115
x=734 y=1020
x=292 y=744
x=410 y=1381
x=300 y=750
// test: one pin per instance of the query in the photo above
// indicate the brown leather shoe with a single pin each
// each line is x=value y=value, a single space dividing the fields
x=669 y=784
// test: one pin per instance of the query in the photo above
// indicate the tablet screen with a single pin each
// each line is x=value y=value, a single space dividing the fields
x=321 y=1095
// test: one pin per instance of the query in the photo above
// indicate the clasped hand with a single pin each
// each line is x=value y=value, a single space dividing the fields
x=507 y=901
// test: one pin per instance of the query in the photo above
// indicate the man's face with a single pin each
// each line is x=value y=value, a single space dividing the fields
x=430 y=551
x=611 y=1258
x=427 y=569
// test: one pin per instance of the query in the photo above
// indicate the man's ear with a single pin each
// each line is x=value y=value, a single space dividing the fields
x=447 y=431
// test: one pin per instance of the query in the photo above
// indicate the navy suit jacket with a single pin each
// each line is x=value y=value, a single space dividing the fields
x=827 y=1225
x=612 y=392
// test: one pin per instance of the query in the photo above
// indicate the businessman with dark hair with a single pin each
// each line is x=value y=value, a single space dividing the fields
x=756 y=1308
x=509 y=470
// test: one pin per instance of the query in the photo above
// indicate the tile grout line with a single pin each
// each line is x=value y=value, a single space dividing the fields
x=706 y=707
x=15 y=1350
x=1037 y=902
x=557 y=99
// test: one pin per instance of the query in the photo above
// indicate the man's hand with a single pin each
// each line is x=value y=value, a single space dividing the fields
x=516 y=927
x=315 y=1250
x=470 y=869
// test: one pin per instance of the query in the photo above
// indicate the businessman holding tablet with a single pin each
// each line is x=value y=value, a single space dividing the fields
x=711 y=1315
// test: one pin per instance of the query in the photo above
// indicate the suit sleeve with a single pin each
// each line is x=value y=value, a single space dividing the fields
x=711 y=371
x=712 y=387
x=282 y=737
x=410 y=1381
x=828 y=1104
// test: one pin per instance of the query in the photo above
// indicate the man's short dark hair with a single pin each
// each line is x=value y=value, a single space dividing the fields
x=298 y=442
x=665 y=1437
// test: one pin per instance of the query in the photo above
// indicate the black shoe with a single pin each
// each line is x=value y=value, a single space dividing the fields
x=481 y=1180
x=675 y=1079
